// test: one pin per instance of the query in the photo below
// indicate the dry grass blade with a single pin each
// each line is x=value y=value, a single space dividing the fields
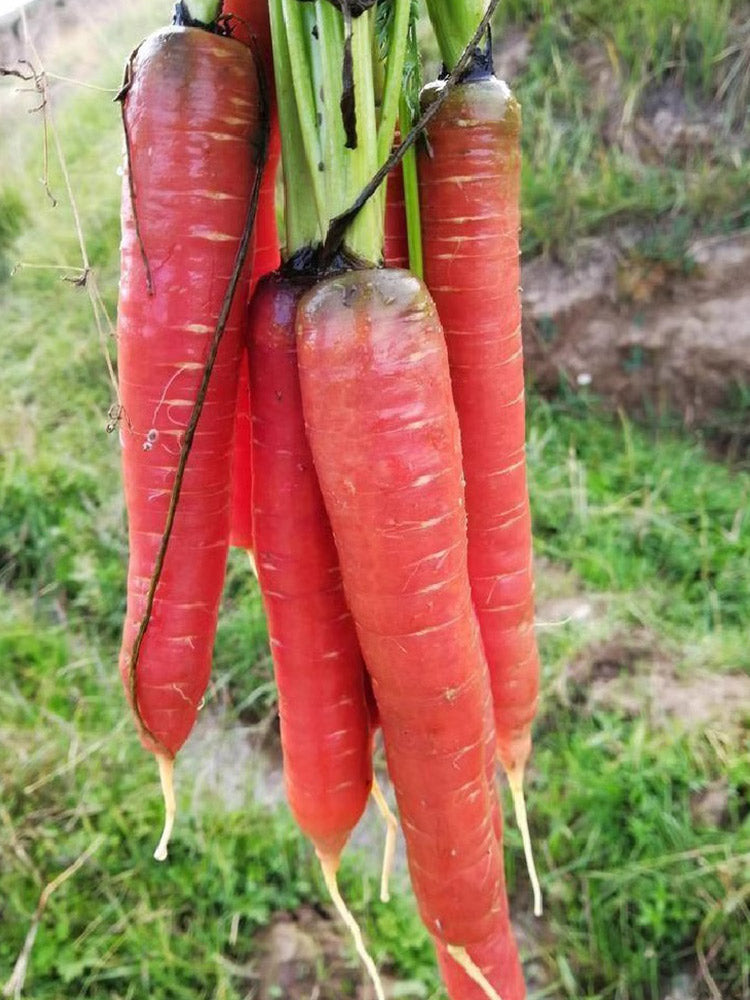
x=14 y=987
x=726 y=906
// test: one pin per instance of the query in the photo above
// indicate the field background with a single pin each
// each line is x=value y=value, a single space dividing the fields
x=636 y=209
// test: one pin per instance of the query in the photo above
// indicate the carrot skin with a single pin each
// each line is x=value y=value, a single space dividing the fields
x=469 y=192
x=241 y=518
x=249 y=23
x=497 y=958
x=396 y=246
x=266 y=259
x=385 y=440
x=325 y=729
x=192 y=116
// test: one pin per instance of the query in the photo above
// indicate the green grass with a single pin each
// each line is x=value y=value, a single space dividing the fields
x=649 y=38
x=580 y=171
x=642 y=521
x=629 y=510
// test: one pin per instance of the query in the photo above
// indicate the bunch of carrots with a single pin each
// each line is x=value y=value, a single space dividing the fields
x=350 y=411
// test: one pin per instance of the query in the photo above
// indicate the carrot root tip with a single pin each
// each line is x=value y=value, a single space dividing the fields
x=253 y=564
x=329 y=866
x=515 y=781
x=461 y=957
x=166 y=776
x=389 y=851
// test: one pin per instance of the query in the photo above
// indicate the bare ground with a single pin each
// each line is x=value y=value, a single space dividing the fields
x=638 y=335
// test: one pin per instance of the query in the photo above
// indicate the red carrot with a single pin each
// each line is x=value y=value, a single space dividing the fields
x=266 y=259
x=496 y=958
x=192 y=114
x=241 y=520
x=384 y=436
x=325 y=730
x=469 y=187
x=249 y=22
x=396 y=247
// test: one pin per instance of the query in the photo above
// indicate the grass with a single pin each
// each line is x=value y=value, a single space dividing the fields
x=640 y=522
x=585 y=166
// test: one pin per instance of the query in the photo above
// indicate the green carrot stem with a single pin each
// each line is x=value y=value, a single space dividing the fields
x=331 y=41
x=367 y=232
x=303 y=223
x=205 y=11
x=393 y=78
x=455 y=22
x=411 y=202
x=302 y=79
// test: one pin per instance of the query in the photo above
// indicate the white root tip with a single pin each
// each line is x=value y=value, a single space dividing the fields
x=515 y=781
x=461 y=957
x=166 y=776
x=329 y=866
x=391 y=832
x=253 y=564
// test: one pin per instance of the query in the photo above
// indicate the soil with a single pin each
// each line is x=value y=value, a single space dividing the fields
x=637 y=334
x=635 y=674
x=302 y=958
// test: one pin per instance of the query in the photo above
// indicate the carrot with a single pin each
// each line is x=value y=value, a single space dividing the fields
x=385 y=441
x=266 y=259
x=396 y=248
x=469 y=188
x=496 y=959
x=319 y=669
x=249 y=22
x=193 y=121
x=241 y=518
x=325 y=729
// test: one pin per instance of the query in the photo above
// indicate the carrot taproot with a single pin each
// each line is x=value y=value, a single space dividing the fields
x=193 y=121
x=469 y=189
x=249 y=23
x=266 y=259
x=325 y=727
x=384 y=436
